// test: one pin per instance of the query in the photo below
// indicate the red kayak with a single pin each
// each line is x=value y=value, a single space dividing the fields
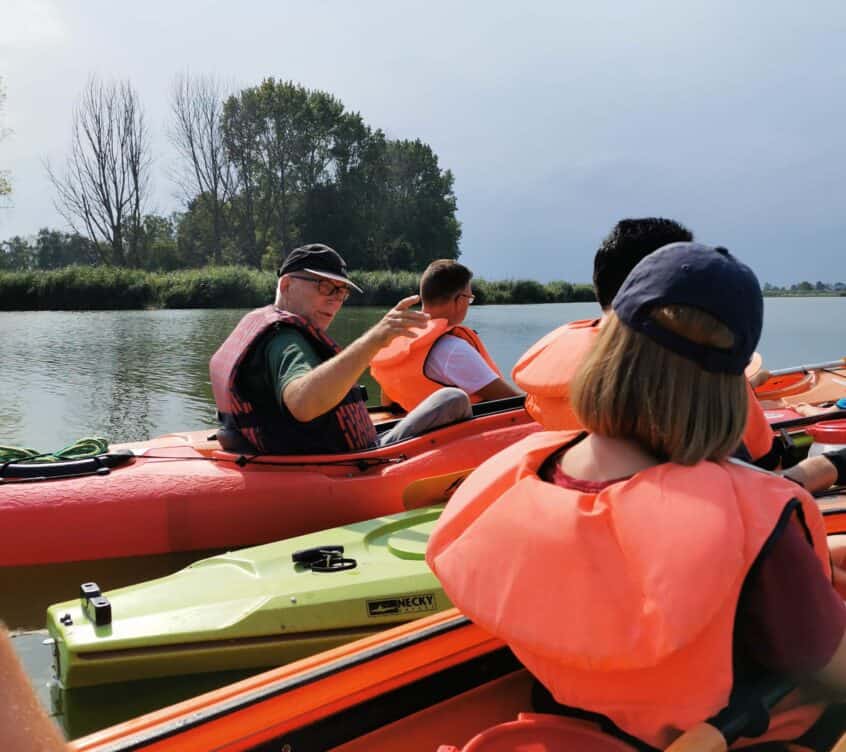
x=183 y=492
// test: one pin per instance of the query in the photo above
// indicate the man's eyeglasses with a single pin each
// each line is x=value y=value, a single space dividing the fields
x=470 y=298
x=327 y=288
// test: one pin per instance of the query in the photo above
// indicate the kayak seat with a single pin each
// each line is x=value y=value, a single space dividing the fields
x=539 y=732
x=232 y=441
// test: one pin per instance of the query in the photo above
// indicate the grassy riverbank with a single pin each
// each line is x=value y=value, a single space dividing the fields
x=101 y=288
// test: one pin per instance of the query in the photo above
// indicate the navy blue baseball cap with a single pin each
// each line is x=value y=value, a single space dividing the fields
x=703 y=277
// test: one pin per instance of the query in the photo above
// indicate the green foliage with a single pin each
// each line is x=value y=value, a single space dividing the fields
x=510 y=291
x=383 y=288
x=49 y=249
x=158 y=243
x=309 y=171
x=75 y=288
x=582 y=293
x=89 y=288
x=214 y=287
x=17 y=254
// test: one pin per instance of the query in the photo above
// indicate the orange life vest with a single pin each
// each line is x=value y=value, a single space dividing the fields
x=621 y=602
x=547 y=368
x=399 y=367
x=757 y=435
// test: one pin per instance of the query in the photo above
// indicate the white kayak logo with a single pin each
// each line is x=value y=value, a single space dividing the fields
x=403 y=604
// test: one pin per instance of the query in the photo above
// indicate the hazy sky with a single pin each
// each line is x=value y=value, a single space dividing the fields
x=557 y=118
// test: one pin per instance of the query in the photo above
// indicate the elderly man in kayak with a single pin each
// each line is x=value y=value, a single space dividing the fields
x=283 y=385
x=546 y=369
x=443 y=352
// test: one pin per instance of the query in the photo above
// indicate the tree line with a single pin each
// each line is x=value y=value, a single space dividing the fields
x=259 y=171
x=111 y=287
x=806 y=288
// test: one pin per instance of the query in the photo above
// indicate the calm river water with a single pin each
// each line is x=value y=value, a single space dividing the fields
x=129 y=375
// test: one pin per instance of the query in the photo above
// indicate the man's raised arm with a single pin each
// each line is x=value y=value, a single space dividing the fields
x=320 y=390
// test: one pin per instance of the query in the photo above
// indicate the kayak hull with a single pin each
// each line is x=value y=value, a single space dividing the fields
x=181 y=492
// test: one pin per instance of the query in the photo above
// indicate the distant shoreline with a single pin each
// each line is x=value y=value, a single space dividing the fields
x=79 y=288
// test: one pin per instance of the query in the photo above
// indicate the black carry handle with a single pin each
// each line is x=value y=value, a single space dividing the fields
x=20 y=471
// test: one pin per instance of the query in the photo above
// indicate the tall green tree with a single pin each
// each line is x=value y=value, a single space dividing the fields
x=307 y=170
x=55 y=249
x=242 y=128
x=421 y=204
x=17 y=255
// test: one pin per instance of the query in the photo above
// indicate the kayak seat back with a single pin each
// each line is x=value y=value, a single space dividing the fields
x=231 y=440
x=539 y=732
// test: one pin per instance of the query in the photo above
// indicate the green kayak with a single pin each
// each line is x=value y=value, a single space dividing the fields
x=252 y=608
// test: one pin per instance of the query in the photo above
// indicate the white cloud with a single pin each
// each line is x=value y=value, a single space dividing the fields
x=28 y=23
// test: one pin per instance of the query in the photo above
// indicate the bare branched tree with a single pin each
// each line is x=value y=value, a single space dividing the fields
x=206 y=173
x=106 y=184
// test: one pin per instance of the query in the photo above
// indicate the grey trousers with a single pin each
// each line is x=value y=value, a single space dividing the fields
x=447 y=405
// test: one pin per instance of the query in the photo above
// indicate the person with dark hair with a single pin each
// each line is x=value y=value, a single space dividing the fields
x=283 y=386
x=649 y=578
x=627 y=243
x=443 y=352
x=546 y=369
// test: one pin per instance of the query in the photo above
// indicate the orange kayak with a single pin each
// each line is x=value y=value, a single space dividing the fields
x=437 y=681
x=813 y=384
x=183 y=492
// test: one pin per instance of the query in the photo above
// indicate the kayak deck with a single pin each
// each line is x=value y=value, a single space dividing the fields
x=256 y=607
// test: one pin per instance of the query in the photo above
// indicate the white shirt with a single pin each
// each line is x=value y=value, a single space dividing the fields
x=455 y=362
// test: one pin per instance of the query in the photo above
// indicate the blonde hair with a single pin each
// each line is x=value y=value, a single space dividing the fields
x=632 y=388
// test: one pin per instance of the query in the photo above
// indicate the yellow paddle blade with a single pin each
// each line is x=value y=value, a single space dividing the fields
x=434 y=490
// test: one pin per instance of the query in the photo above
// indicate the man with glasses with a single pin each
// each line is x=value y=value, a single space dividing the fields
x=283 y=386
x=443 y=352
